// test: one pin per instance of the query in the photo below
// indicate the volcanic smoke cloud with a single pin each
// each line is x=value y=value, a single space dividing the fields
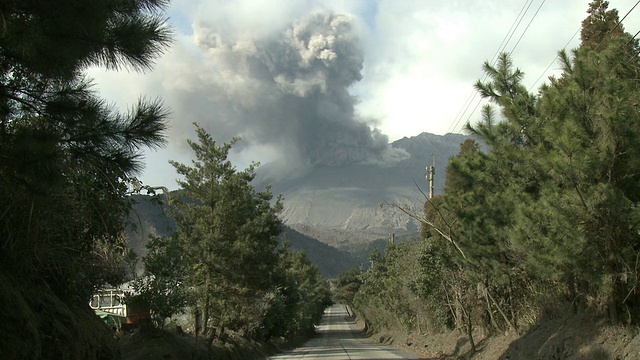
x=287 y=91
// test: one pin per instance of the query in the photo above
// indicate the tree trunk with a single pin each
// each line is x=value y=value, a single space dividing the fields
x=469 y=328
x=196 y=323
x=504 y=316
x=205 y=310
x=485 y=295
x=512 y=305
x=450 y=304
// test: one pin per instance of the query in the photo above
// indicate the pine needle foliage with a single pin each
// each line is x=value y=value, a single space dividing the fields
x=225 y=255
x=229 y=233
x=547 y=217
x=66 y=156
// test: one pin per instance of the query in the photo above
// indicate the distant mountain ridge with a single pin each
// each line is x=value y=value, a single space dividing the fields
x=149 y=218
x=341 y=205
x=334 y=214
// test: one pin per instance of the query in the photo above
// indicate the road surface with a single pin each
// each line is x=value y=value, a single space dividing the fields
x=339 y=339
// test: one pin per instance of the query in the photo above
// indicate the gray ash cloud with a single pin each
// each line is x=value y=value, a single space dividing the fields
x=287 y=90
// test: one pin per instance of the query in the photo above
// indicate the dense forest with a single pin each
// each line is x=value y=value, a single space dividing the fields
x=543 y=222
x=68 y=167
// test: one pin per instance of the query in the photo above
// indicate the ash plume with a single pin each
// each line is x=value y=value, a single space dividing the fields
x=287 y=90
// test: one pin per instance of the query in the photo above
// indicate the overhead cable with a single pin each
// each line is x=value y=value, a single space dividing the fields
x=505 y=41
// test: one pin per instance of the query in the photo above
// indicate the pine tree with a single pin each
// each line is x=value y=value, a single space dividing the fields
x=66 y=158
x=229 y=233
x=600 y=26
x=547 y=217
x=66 y=154
x=300 y=296
x=595 y=160
x=566 y=167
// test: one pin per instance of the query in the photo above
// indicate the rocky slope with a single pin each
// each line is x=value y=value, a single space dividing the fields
x=150 y=218
x=345 y=207
x=341 y=205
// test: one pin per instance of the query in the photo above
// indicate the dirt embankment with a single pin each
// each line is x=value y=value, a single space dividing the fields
x=573 y=338
x=36 y=324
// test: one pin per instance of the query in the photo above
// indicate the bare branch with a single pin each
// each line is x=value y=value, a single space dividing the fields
x=425 y=221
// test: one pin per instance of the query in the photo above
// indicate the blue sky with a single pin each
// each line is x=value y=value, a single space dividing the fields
x=372 y=72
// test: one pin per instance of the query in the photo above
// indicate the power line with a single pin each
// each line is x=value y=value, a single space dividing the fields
x=501 y=47
x=628 y=12
x=617 y=25
x=634 y=53
x=553 y=61
x=512 y=30
x=527 y=28
x=555 y=58
x=634 y=36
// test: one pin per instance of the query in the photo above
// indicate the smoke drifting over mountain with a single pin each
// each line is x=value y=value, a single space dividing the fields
x=285 y=91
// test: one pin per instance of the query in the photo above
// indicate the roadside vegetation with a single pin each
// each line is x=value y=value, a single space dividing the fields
x=544 y=223
x=67 y=157
x=67 y=169
x=223 y=265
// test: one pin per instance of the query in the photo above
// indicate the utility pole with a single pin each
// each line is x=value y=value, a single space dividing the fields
x=431 y=171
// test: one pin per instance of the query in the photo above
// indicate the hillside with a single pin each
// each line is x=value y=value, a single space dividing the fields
x=336 y=214
x=149 y=218
x=341 y=205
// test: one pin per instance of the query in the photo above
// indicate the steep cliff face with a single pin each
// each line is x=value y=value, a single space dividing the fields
x=341 y=205
x=350 y=214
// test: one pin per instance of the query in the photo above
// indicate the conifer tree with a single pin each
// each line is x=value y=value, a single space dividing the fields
x=595 y=160
x=66 y=154
x=547 y=217
x=572 y=167
x=229 y=233
x=300 y=296
x=600 y=26
x=66 y=157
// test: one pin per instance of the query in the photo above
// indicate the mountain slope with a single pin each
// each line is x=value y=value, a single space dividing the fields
x=149 y=218
x=341 y=205
x=338 y=205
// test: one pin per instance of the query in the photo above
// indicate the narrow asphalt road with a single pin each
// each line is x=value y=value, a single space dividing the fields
x=338 y=338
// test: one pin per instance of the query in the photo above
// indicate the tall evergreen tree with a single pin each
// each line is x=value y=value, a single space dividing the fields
x=229 y=233
x=66 y=154
x=594 y=159
x=299 y=297
x=569 y=166
x=65 y=160
x=547 y=217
